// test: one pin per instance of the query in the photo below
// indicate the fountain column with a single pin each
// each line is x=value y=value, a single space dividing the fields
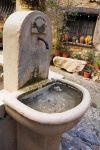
x=27 y=45
x=36 y=141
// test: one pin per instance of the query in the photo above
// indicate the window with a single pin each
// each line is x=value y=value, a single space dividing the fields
x=80 y=24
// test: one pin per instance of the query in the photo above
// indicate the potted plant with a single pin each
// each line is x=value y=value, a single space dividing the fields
x=87 y=71
x=86 y=74
x=74 y=39
x=65 y=52
x=81 y=39
x=58 y=51
x=90 y=56
x=98 y=64
x=77 y=56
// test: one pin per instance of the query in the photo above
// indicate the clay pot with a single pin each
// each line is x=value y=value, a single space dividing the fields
x=65 y=55
x=57 y=53
x=97 y=67
x=86 y=74
x=82 y=39
x=66 y=37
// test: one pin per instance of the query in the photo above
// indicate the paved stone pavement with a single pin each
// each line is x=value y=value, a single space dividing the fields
x=86 y=134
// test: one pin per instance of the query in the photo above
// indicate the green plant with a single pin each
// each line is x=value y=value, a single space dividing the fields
x=65 y=50
x=89 y=68
x=77 y=56
x=90 y=56
x=98 y=62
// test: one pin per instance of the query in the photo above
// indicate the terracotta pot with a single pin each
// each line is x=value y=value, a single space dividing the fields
x=57 y=52
x=98 y=67
x=82 y=39
x=65 y=55
x=66 y=37
x=86 y=74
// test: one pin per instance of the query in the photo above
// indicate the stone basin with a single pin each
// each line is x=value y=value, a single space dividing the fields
x=56 y=97
x=42 y=113
x=47 y=125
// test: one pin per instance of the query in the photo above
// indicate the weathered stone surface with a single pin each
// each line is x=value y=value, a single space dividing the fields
x=86 y=135
x=96 y=38
x=8 y=137
x=28 y=55
x=70 y=65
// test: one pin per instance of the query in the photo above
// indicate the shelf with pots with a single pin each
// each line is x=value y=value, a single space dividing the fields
x=80 y=41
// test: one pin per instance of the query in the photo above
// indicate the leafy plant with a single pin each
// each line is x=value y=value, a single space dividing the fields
x=98 y=62
x=90 y=56
x=65 y=50
x=77 y=56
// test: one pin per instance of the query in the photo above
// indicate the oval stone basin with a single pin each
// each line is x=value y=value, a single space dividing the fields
x=56 y=97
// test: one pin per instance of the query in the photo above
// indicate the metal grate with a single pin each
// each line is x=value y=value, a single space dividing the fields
x=6 y=7
x=82 y=25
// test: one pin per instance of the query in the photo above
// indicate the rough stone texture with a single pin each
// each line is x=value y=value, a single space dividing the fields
x=86 y=135
x=29 y=140
x=79 y=3
x=80 y=50
x=70 y=65
x=96 y=39
x=8 y=134
x=29 y=57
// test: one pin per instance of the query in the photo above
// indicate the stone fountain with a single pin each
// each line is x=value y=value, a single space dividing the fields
x=42 y=108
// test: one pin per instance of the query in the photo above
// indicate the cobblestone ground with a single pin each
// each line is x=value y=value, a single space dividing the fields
x=86 y=135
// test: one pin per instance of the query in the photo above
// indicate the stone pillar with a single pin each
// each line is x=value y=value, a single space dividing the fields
x=96 y=38
x=29 y=140
x=27 y=45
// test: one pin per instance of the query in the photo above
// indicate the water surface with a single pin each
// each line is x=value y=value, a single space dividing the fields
x=54 y=98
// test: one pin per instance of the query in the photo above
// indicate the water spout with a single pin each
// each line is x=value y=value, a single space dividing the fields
x=45 y=42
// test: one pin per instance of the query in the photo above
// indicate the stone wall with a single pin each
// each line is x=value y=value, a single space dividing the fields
x=83 y=4
x=79 y=3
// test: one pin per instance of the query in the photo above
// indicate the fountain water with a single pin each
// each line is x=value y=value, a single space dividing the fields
x=43 y=109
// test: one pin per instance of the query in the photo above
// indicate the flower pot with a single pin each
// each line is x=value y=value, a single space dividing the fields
x=57 y=53
x=66 y=36
x=98 y=67
x=86 y=74
x=82 y=39
x=65 y=55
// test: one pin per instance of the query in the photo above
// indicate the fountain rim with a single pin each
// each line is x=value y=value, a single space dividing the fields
x=50 y=118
